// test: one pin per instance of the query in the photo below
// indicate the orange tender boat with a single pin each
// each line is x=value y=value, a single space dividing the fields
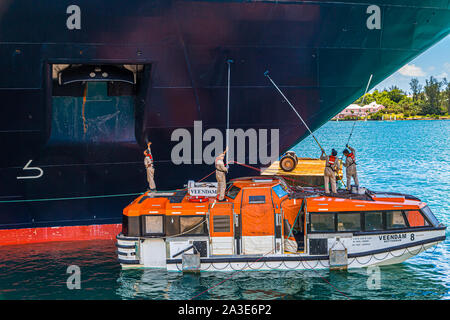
x=266 y=224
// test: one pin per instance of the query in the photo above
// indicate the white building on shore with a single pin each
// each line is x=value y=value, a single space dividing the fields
x=357 y=111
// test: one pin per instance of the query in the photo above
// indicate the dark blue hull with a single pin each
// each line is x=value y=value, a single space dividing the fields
x=88 y=143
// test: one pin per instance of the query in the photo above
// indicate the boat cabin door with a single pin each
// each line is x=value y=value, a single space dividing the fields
x=221 y=229
x=294 y=212
x=257 y=221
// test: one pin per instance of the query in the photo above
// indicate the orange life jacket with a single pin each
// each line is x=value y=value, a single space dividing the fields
x=351 y=155
x=151 y=159
x=331 y=160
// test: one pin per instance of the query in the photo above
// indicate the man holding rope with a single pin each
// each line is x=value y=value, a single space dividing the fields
x=221 y=171
x=350 y=164
x=331 y=167
x=148 y=162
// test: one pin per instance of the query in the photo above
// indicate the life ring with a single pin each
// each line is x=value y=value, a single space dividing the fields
x=197 y=198
x=288 y=162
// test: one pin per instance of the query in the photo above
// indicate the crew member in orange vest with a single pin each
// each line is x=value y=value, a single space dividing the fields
x=148 y=162
x=350 y=164
x=331 y=167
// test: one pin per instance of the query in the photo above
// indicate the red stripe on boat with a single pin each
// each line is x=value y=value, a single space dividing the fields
x=69 y=233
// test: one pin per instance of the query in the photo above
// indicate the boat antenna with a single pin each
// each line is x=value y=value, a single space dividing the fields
x=364 y=97
x=290 y=104
x=229 y=62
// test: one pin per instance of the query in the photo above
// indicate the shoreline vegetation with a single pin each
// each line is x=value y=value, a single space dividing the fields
x=428 y=102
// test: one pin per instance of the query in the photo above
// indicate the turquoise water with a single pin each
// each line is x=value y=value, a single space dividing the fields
x=402 y=156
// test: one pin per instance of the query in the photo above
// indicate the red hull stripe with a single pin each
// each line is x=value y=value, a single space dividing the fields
x=72 y=233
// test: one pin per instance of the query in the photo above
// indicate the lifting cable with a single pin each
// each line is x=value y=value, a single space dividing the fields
x=229 y=62
x=290 y=104
x=364 y=96
x=353 y=127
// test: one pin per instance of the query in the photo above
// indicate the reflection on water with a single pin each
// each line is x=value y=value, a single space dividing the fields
x=38 y=271
x=397 y=282
x=403 y=156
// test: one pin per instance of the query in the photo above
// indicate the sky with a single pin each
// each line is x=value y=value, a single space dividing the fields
x=433 y=62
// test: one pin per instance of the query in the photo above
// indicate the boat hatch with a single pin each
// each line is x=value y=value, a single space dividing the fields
x=80 y=73
x=96 y=103
x=388 y=197
x=262 y=180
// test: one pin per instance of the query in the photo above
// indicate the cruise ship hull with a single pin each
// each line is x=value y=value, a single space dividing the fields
x=73 y=151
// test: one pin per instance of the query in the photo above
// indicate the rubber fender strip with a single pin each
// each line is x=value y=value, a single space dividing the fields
x=122 y=246
x=129 y=261
x=125 y=238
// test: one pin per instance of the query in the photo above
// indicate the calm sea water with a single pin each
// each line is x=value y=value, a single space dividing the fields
x=403 y=156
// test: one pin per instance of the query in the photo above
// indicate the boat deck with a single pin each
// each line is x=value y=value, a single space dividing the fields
x=305 y=167
x=308 y=172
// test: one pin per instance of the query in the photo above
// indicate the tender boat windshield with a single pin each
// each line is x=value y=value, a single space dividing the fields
x=430 y=216
x=280 y=191
x=233 y=191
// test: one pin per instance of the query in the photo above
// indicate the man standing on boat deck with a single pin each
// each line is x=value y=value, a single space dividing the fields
x=148 y=162
x=350 y=164
x=221 y=170
x=331 y=167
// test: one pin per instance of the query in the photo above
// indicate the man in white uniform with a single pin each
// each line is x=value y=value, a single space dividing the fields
x=221 y=171
x=148 y=162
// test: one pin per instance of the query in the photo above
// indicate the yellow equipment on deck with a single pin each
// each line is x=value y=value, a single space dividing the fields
x=308 y=172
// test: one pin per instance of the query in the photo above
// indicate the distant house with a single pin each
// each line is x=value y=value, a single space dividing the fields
x=357 y=111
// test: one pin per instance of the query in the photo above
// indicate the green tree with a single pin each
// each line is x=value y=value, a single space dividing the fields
x=395 y=94
x=432 y=94
x=446 y=95
x=416 y=88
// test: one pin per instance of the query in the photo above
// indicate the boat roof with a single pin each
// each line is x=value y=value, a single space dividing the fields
x=257 y=181
x=342 y=204
x=178 y=201
x=341 y=201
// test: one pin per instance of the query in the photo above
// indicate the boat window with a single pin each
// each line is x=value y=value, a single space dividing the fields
x=221 y=223
x=233 y=191
x=257 y=199
x=153 y=225
x=279 y=190
x=287 y=227
x=349 y=221
x=415 y=219
x=322 y=222
x=172 y=225
x=373 y=221
x=192 y=225
x=395 y=220
x=430 y=216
